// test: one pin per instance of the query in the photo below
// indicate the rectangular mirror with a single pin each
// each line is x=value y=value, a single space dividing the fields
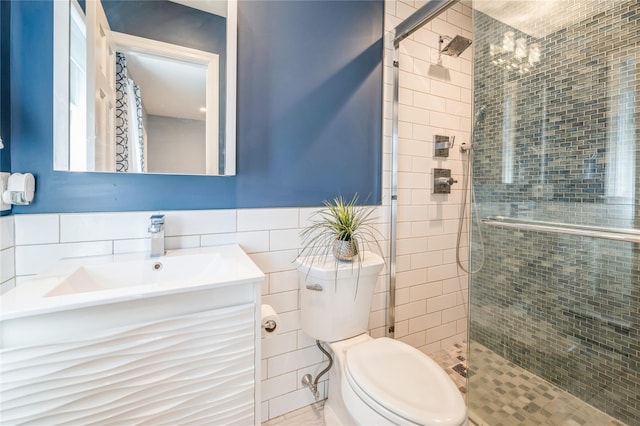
x=145 y=86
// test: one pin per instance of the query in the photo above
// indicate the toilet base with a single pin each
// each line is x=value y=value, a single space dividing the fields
x=340 y=394
x=332 y=418
x=336 y=415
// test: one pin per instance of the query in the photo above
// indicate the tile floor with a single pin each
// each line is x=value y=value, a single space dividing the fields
x=502 y=394
x=311 y=415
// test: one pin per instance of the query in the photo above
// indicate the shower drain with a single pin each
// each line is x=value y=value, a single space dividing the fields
x=461 y=369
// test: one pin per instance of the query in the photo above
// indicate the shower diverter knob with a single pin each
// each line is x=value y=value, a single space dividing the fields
x=442 y=181
x=449 y=181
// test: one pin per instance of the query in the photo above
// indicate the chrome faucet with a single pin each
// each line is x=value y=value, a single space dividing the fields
x=156 y=229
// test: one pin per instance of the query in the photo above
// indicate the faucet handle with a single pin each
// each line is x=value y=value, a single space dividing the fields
x=157 y=223
x=157 y=219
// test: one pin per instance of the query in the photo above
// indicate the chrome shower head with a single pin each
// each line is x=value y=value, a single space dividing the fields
x=456 y=46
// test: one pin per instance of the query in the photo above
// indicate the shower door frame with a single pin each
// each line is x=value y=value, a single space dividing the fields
x=404 y=29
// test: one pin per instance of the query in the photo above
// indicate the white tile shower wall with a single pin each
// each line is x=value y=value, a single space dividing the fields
x=270 y=236
x=431 y=290
x=7 y=253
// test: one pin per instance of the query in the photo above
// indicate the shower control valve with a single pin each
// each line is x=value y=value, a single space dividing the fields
x=442 y=181
x=442 y=145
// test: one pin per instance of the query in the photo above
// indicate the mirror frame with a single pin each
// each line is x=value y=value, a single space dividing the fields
x=61 y=21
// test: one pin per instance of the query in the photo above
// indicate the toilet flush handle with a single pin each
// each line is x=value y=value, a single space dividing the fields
x=314 y=287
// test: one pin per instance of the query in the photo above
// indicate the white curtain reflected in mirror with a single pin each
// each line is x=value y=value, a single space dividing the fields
x=131 y=140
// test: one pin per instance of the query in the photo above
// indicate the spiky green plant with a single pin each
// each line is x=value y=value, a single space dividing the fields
x=340 y=220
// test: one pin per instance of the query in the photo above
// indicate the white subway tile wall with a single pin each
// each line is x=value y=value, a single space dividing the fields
x=41 y=229
x=431 y=301
x=270 y=236
x=7 y=253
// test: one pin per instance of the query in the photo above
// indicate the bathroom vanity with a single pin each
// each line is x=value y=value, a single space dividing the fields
x=130 y=339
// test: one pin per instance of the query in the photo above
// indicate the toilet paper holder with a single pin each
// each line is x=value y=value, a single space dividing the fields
x=269 y=326
x=268 y=320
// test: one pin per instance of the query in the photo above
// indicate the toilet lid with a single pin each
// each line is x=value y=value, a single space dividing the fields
x=396 y=378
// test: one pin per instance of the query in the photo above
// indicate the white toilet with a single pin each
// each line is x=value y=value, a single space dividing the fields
x=372 y=381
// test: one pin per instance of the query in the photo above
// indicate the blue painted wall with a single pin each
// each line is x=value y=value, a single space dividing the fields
x=309 y=114
x=5 y=107
x=5 y=118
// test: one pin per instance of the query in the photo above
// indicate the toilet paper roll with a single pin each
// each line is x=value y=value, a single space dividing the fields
x=270 y=321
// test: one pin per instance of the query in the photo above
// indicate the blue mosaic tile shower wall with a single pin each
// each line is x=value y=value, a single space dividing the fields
x=560 y=142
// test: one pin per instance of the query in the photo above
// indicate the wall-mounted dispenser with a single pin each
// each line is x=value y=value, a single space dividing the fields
x=19 y=189
x=442 y=145
x=442 y=181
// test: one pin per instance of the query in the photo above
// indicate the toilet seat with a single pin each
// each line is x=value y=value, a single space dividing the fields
x=402 y=384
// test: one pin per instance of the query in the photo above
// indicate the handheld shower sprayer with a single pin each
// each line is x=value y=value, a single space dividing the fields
x=480 y=115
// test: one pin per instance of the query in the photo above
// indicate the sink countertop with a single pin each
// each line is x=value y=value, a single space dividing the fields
x=62 y=286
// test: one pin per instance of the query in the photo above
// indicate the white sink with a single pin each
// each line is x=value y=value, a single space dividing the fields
x=87 y=281
x=118 y=272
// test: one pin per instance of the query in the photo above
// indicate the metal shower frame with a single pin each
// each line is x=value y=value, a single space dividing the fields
x=403 y=30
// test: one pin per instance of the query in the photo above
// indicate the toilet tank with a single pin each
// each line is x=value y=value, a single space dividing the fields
x=335 y=297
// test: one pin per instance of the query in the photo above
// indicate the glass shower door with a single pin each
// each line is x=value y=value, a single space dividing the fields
x=554 y=308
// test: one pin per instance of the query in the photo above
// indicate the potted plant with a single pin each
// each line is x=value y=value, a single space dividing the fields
x=343 y=228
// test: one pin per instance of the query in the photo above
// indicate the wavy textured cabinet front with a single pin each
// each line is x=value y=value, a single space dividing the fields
x=198 y=368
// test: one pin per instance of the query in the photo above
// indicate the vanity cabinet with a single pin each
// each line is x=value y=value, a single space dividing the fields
x=188 y=357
